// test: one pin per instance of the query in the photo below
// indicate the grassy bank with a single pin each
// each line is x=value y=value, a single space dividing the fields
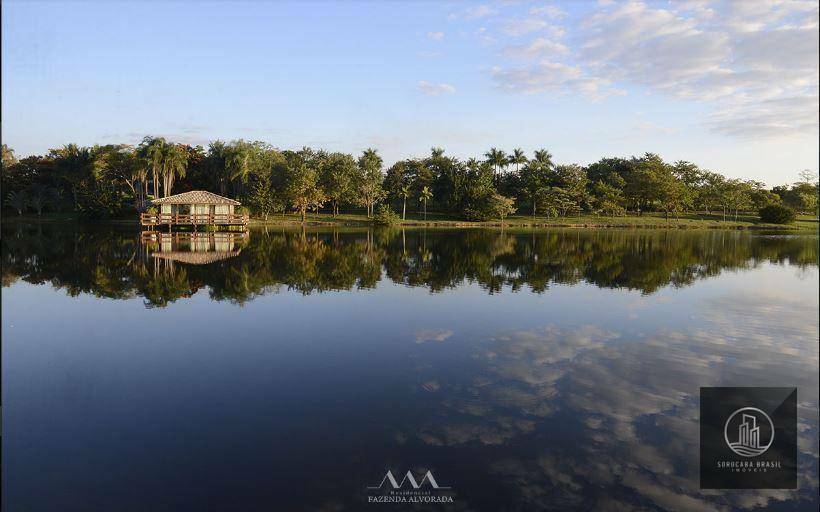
x=649 y=220
x=646 y=221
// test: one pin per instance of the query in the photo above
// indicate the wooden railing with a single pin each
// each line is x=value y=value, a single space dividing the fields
x=156 y=219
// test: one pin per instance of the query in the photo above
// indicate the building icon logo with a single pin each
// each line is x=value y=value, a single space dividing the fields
x=749 y=432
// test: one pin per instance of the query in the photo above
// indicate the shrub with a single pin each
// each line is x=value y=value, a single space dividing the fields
x=777 y=214
x=385 y=216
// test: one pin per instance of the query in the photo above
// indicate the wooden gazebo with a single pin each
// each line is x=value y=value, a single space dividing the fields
x=195 y=208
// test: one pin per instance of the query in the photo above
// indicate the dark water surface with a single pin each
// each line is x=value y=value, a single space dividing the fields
x=526 y=370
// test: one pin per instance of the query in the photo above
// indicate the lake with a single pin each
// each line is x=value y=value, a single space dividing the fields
x=291 y=369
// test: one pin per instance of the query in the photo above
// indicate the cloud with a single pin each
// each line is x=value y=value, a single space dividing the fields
x=517 y=27
x=438 y=335
x=780 y=117
x=753 y=64
x=537 y=48
x=474 y=12
x=549 y=11
x=435 y=36
x=553 y=77
x=435 y=89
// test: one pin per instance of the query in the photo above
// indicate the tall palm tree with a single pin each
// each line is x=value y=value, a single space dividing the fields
x=405 y=191
x=74 y=164
x=174 y=164
x=517 y=158
x=497 y=158
x=238 y=162
x=425 y=195
x=542 y=156
x=151 y=150
x=18 y=200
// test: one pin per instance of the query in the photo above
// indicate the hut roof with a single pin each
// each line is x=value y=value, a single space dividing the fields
x=195 y=197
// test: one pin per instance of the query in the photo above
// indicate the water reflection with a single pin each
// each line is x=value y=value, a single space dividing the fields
x=529 y=370
x=112 y=263
x=193 y=248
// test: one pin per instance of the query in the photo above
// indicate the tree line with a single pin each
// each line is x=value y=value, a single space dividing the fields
x=116 y=180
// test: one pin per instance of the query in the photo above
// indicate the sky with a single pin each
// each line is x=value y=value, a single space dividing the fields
x=730 y=86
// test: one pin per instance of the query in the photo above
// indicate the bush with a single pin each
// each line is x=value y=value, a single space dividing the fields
x=385 y=216
x=777 y=214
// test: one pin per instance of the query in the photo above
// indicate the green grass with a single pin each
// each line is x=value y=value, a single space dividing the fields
x=649 y=220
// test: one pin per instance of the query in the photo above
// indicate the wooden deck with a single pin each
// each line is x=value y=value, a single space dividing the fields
x=196 y=219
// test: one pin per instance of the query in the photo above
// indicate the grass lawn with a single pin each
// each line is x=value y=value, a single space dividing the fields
x=648 y=220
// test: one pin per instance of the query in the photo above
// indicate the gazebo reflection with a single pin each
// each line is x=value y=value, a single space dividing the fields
x=194 y=248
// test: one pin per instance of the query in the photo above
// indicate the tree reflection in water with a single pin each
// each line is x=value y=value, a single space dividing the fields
x=113 y=263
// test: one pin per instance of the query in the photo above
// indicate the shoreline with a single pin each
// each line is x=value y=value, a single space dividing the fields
x=628 y=222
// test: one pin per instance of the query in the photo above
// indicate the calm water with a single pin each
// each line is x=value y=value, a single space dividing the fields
x=527 y=370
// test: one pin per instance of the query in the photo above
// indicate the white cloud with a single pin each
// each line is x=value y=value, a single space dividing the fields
x=435 y=36
x=517 y=27
x=474 y=12
x=437 y=335
x=435 y=89
x=779 y=117
x=752 y=63
x=553 y=77
x=537 y=48
x=549 y=11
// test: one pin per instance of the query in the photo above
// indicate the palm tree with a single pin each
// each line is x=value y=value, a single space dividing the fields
x=238 y=162
x=174 y=163
x=497 y=158
x=18 y=200
x=543 y=156
x=73 y=164
x=424 y=196
x=151 y=150
x=518 y=157
x=405 y=191
x=41 y=195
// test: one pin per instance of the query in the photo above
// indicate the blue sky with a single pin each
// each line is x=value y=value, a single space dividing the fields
x=731 y=86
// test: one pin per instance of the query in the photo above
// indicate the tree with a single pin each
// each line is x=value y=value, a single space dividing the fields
x=8 y=157
x=607 y=199
x=572 y=180
x=151 y=150
x=337 y=176
x=303 y=190
x=41 y=196
x=535 y=179
x=73 y=165
x=502 y=206
x=118 y=163
x=405 y=192
x=262 y=198
x=174 y=164
x=424 y=196
x=497 y=159
x=646 y=181
x=369 y=180
x=517 y=158
x=18 y=200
